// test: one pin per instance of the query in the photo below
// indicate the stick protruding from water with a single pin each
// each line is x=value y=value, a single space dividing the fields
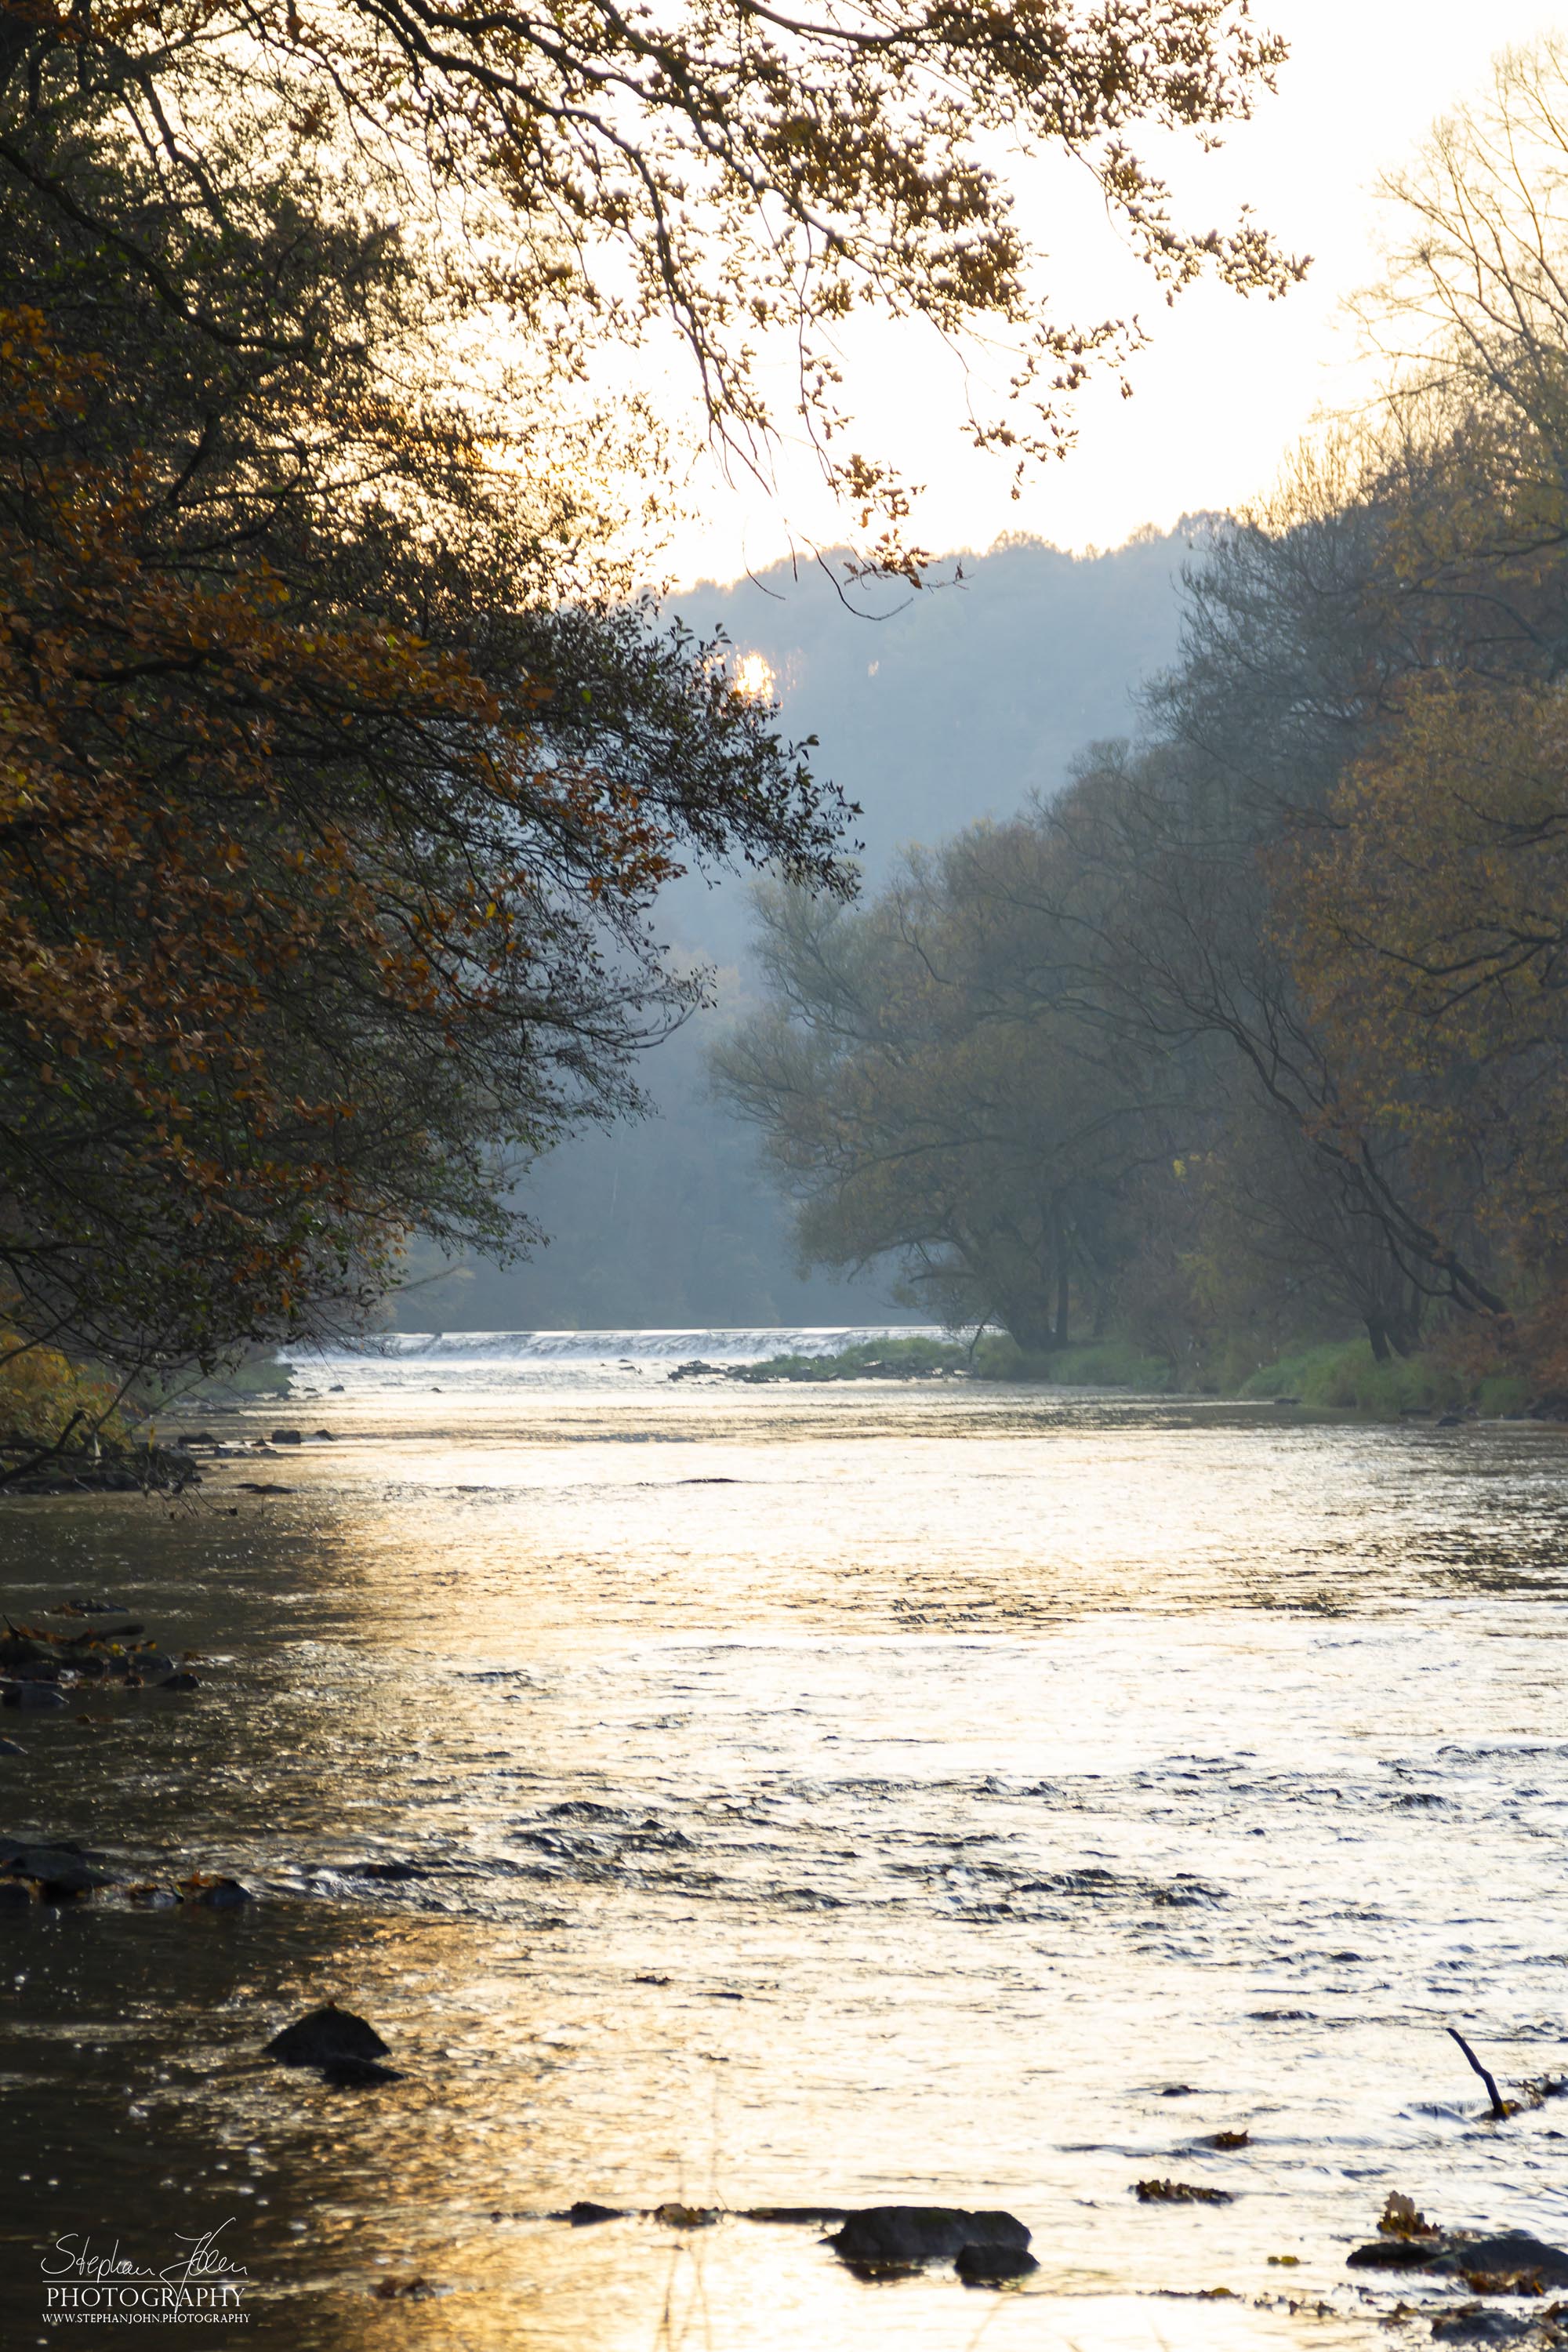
x=1489 y=2080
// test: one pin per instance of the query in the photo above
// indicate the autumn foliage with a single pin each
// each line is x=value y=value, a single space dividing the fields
x=1271 y=1002
x=334 y=791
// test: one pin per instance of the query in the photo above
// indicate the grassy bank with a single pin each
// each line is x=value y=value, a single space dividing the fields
x=1104 y=1363
x=1345 y=1376
x=1337 y=1376
x=902 y=1359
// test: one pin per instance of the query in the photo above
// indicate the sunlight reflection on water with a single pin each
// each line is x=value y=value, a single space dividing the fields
x=817 y=1795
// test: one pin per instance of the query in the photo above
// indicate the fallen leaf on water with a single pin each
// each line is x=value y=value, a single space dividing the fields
x=1401 y=2218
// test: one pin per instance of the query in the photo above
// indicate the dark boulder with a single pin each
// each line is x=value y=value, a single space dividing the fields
x=286 y=1438
x=1397 y=2255
x=989 y=2265
x=906 y=2234
x=1512 y=2254
x=12 y=1747
x=180 y=1681
x=60 y=1873
x=582 y=2212
x=32 y=1697
x=324 y=2035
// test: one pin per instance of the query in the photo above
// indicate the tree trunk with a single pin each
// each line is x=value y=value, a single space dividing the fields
x=1376 y=1331
x=1029 y=1321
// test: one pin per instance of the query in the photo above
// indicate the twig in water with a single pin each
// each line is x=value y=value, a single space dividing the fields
x=1489 y=2080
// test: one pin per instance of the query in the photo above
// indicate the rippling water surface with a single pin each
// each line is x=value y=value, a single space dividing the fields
x=923 y=1793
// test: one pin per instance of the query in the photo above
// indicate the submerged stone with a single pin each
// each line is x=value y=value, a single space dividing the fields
x=358 y=2073
x=1472 y=2323
x=216 y=1894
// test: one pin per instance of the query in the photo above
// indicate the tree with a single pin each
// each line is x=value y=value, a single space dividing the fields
x=922 y=1107
x=334 y=790
x=746 y=179
x=1429 y=920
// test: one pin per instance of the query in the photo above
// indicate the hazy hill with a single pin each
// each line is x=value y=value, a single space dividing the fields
x=930 y=709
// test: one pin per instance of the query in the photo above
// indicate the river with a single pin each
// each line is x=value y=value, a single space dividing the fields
x=916 y=1791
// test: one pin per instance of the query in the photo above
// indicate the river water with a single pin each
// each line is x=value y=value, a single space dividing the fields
x=925 y=1792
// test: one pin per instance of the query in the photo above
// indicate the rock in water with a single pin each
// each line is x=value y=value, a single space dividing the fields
x=286 y=1438
x=358 y=2073
x=60 y=1873
x=216 y=1894
x=921 y=2233
x=12 y=1747
x=819 y=2214
x=988 y=2265
x=34 y=1697
x=1512 y=2254
x=323 y=2036
x=1395 y=2254
x=582 y=2212
x=1471 y=2325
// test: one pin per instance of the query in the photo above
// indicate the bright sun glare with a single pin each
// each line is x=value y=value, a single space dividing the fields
x=754 y=677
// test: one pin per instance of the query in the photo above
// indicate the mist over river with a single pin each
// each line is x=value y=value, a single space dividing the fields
x=929 y=1791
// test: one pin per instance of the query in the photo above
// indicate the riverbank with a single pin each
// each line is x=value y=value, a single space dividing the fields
x=1336 y=1376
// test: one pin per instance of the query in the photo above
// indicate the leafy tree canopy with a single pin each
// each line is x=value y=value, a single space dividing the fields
x=746 y=178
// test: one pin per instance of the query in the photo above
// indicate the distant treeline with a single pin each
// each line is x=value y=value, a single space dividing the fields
x=1257 y=1032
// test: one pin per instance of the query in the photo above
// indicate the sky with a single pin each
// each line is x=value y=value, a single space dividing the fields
x=1228 y=384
